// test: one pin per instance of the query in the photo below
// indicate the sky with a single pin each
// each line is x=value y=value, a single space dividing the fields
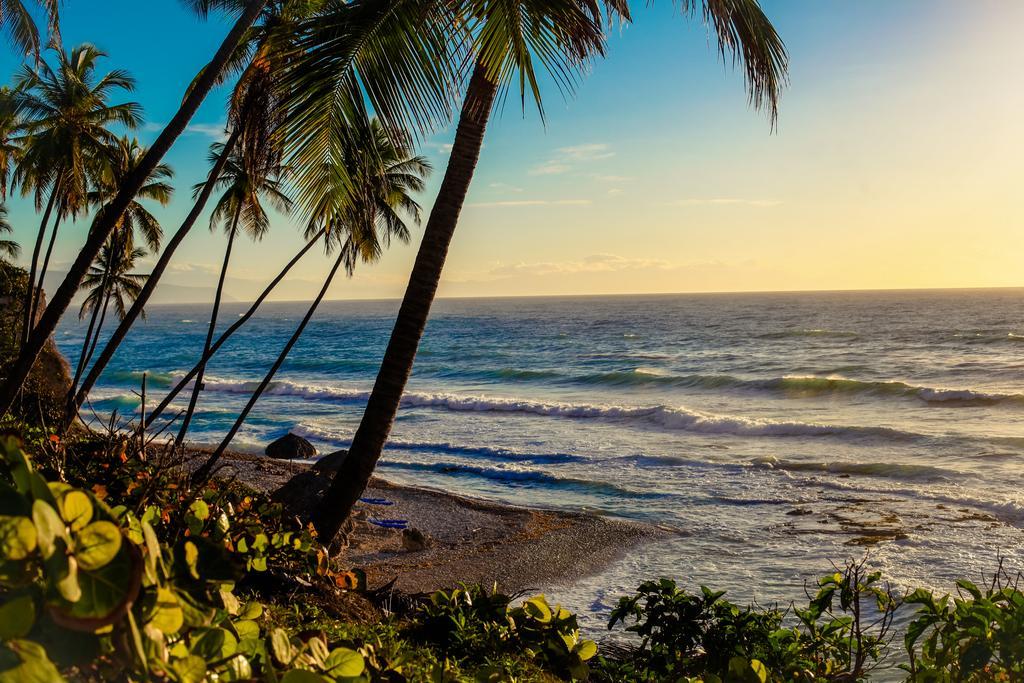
x=897 y=161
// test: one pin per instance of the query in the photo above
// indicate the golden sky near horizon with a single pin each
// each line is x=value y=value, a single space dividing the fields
x=897 y=163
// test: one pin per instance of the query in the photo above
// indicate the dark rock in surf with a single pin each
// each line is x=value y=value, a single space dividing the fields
x=289 y=447
x=331 y=462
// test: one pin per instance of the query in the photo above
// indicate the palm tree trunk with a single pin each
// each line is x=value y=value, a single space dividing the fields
x=83 y=360
x=38 y=295
x=22 y=366
x=203 y=472
x=198 y=386
x=183 y=382
x=99 y=326
x=85 y=346
x=75 y=401
x=381 y=408
x=28 y=320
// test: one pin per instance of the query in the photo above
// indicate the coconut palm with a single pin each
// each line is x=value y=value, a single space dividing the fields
x=11 y=122
x=9 y=249
x=17 y=21
x=136 y=221
x=110 y=279
x=364 y=201
x=197 y=91
x=511 y=40
x=257 y=59
x=67 y=132
x=247 y=181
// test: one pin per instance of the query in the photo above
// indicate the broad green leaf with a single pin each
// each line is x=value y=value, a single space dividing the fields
x=281 y=646
x=106 y=594
x=190 y=669
x=253 y=610
x=168 y=617
x=62 y=572
x=586 y=649
x=214 y=644
x=97 y=544
x=49 y=527
x=344 y=663
x=537 y=608
x=200 y=510
x=247 y=629
x=17 y=616
x=17 y=537
x=759 y=669
x=30 y=665
x=192 y=558
x=237 y=668
x=76 y=509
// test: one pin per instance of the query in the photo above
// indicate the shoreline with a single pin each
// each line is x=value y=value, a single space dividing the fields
x=457 y=539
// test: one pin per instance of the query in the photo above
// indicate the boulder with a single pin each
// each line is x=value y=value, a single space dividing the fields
x=290 y=446
x=331 y=462
x=44 y=393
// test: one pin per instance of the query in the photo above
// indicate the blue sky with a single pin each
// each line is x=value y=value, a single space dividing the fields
x=893 y=165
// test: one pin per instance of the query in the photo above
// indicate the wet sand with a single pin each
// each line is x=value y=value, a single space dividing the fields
x=454 y=539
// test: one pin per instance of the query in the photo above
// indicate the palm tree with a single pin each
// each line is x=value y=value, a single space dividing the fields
x=68 y=115
x=509 y=37
x=247 y=182
x=9 y=249
x=17 y=21
x=109 y=279
x=197 y=91
x=136 y=219
x=363 y=203
x=257 y=57
x=11 y=122
x=184 y=381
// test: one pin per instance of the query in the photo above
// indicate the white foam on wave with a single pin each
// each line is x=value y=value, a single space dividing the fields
x=661 y=416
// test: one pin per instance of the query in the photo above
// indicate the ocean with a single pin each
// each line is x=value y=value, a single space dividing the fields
x=769 y=434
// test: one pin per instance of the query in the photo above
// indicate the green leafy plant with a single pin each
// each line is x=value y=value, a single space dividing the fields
x=702 y=637
x=474 y=625
x=90 y=590
x=976 y=636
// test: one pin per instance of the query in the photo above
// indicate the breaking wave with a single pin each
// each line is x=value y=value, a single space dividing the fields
x=658 y=416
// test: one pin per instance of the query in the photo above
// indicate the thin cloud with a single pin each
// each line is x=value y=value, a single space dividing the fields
x=552 y=167
x=566 y=158
x=214 y=131
x=725 y=201
x=532 y=202
x=588 y=152
x=596 y=263
x=506 y=187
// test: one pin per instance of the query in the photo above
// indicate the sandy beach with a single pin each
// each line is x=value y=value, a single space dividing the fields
x=454 y=539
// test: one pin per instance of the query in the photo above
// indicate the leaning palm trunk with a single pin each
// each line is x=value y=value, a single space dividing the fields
x=204 y=472
x=89 y=345
x=28 y=319
x=382 y=406
x=200 y=88
x=38 y=294
x=82 y=362
x=99 y=326
x=209 y=334
x=75 y=401
x=183 y=382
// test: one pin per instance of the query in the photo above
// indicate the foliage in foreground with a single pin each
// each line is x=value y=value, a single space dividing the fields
x=137 y=578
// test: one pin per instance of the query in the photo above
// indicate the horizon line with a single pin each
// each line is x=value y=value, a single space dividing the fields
x=852 y=290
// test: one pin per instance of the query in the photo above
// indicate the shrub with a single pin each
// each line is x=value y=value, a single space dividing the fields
x=702 y=637
x=976 y=636
x=473 y=625
x=90 y=590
